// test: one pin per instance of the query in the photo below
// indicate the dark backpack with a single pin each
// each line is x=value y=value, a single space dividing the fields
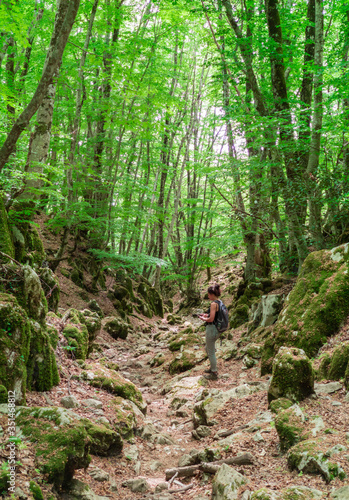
x=222 y=319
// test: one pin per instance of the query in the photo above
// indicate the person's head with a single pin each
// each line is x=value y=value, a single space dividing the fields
x=213 y=292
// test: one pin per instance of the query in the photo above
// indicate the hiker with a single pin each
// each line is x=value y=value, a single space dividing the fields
x=212 y=333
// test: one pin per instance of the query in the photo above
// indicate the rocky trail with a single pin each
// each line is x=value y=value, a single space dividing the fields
x=178 y=427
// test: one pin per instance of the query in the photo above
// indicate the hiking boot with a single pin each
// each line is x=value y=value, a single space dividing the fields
x=211 y=376
x=208 y=371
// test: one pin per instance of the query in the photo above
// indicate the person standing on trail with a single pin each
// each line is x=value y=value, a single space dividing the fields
x=212 y=333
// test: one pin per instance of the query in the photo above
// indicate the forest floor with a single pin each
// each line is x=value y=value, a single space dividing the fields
x=142 y=458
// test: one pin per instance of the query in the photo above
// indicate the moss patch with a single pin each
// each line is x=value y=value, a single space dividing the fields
x=184 y=339
x=293 y=375
x=104 y=441
x=339 y=361
x=315 y=308
x=15 y=334
x=61 y=441
x=291 y=428
x=113 y=382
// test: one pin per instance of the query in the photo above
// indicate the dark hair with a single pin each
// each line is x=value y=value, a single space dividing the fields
x=214 y=290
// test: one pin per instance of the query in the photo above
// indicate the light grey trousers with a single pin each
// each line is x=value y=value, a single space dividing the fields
x=211 y=337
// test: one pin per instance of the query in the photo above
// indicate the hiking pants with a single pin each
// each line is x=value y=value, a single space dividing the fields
x=211 y=337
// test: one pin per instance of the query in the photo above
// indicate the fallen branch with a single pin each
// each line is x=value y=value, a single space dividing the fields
x=244 y=459
x=180 y=490
x=13 y=260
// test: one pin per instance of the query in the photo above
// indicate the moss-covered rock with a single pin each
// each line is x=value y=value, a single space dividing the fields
x=121 y=292
x=93 y=323
x=52 y=333
x=323 y=368
x=293 y=375
x=42 y=372
x=35 y=300
x=6 y=243
x=50 y=285
x=265 y=494
x=15 y=334
x=127 y=417
x=291 y=428
x=104 y=441
x=158 y=360
x=152 y=298
x=95 y=307
x=77 y=338
x=61 y=441
x=316 y=307
x=184 y=338
x=173 y=319
x=112 y=381
x=339 y=361
x=307 y=457
x=116 y=327
x=239 y=315
x=280 y=404
x=301 y=493
x=185 y=360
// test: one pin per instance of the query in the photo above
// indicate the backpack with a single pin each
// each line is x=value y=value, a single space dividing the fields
x=222 y=320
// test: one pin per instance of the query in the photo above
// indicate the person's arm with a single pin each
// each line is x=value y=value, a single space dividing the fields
x=213 y=310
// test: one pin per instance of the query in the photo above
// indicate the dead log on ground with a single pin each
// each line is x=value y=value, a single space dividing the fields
x=190 y=470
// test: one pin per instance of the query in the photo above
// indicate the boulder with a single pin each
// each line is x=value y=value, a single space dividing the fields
x=339 y=361
x=104 y=441
x=95 y=307
x=112 y=381
x=152 y=298
x=116 y=327
x=292 y=377
x=127 y=417
x=315 y=308
x=69 y=402
x=61 y=441
x=186 y=360
x=265 y=494
x=205 y=410
x=50 y=285
x=226 y=483
x=76 y=335
x=77 y=490
x=307 y=457
x=301 y=493
x=280 y=404
x=340 y=493
x=34 y=297
x=137 y=485
x=291 y=427
x=185 y=338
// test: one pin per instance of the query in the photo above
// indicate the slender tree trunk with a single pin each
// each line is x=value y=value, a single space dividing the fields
x=67 y=11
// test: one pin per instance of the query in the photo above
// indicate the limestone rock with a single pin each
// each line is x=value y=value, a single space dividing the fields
x=340 y=493
x=293 y=375
x=329 y=388
x=308 y=458
x=186 y=360
x=301 y=493
x=115 y=383
x=137 y=485
x=226 y=483
x=99 y=475
x=93 y=403
x=266 y=311
x=78 y=490
x=265 y=494
x=290 y=426
x=116 y=327
x=69 y=402
x=205 y=410
x=280 y=404
x=95 y=307
x=15 y=334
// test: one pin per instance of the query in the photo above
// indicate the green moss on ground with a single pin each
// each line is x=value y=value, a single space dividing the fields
x=280 y=404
